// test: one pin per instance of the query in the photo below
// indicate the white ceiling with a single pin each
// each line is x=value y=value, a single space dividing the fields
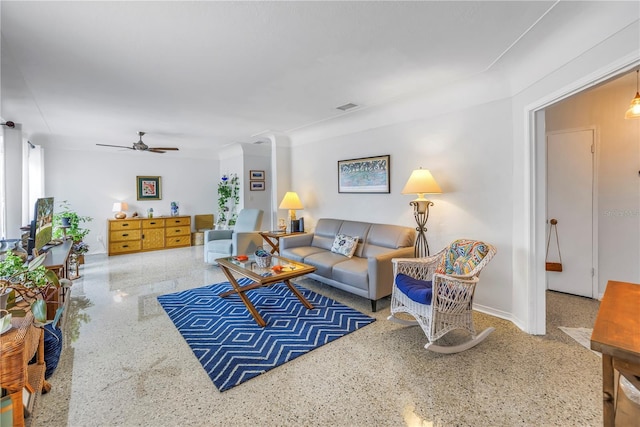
x=200 y=75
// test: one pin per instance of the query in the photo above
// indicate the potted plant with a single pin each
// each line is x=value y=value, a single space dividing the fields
x=228 y=199
x=32 y=281
x=68 y=216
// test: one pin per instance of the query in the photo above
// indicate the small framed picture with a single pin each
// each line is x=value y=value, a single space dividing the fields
x=256 y=175
x=256 y=185
x=149 y=188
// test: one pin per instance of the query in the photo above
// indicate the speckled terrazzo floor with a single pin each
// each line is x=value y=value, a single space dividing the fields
x=124 y=364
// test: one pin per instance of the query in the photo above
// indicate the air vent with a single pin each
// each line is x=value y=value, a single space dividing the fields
x=346 y=107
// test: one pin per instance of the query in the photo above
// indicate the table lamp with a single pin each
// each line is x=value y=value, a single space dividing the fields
x=118 y=208
x=292 y=202
x=421 y=182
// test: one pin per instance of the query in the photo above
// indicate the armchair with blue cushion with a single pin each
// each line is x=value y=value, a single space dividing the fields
x=243 y=239
x=437 y=291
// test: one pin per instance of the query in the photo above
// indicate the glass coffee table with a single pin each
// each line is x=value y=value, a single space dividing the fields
x=286 y=271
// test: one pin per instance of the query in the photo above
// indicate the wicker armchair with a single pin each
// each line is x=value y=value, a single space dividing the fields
x=438 y=292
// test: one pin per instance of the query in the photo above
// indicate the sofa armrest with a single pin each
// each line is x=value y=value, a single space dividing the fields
x=210 y=235
x=381 y=271
x=296 y=240
x=246 y=243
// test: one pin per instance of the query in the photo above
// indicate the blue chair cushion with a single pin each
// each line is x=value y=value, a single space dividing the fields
x=419 y=291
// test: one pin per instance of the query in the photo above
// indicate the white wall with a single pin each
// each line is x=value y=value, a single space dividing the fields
x=92 y=182
x=468 y=153
x=618 y=185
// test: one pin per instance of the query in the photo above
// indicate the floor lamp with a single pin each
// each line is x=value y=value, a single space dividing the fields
x=421 y=182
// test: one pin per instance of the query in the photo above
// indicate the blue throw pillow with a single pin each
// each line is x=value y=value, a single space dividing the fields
x=419 y=291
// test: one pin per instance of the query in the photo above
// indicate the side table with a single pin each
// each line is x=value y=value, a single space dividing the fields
x=273 y=239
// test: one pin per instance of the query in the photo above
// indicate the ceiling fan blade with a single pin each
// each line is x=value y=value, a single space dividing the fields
x=117 y=146
x=165 y=148
x=155 y=150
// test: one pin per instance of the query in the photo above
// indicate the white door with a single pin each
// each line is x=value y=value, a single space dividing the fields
x=570 y=201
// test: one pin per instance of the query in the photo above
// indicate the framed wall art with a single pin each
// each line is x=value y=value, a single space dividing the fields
x=256 y=175
x=149 y=188
x=256 y=185
x=365 y=175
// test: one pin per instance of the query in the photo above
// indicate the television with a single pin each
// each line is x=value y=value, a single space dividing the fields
x=42 y=226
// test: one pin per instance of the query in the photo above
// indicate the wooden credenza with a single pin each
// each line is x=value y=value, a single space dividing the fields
x=148 y=234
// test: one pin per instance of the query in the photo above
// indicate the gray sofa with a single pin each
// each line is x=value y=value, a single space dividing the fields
x=369 y=273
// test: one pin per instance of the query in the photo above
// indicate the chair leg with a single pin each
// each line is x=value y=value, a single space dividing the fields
x=450 y=349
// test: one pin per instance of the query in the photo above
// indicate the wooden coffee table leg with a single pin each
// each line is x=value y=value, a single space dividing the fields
x=259 y=320
x=302 y=299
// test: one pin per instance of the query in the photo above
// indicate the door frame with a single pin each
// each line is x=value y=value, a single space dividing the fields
x=594 y=200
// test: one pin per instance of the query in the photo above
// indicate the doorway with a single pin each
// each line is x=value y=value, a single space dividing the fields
x=570 y=196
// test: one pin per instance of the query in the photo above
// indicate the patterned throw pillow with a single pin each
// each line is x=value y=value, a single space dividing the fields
x=344 y=245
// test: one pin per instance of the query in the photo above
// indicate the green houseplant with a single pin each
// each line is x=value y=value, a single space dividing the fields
x=228 y=191
x=32 y=281
x=74 y=229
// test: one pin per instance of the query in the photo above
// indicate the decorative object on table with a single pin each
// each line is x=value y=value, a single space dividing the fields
x=13 y=245
x=365 y=175
x=256 y=175
x=228 y=199
x=438 y=291
x=204 y=222
x=262 y=349
x=175 y=209
x=634 y=109
x=553 y=266
x=150 y=213
x=256 y=185
x=148 y=188
x=263 y=258
x=292 y=202
x=282 y=225
x=119 y=208
x=421 y=182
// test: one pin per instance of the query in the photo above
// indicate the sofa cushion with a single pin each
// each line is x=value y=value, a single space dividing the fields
x=324 y=262
x=463 y=257
x=383 y=237
x=300 y=253
x=354 y=272
x=324 y=233
x=344 y=245
x=420 y=291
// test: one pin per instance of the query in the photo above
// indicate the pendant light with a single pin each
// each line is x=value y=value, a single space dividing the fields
x=634 y=109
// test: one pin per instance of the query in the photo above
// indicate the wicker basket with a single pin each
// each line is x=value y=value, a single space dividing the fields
x=263 y=258
x=263 y=261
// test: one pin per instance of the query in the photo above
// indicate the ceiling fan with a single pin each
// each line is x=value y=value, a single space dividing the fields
x=141 y=146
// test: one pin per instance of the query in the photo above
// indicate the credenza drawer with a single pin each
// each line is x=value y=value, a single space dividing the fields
x=124 y=247
x=153 y=223
x=117 y=236
x=172 y=222
x=123 y=225
x=175 y=241
x=178 y=231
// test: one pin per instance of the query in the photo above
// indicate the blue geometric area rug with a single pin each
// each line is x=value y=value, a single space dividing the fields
x=230 y=345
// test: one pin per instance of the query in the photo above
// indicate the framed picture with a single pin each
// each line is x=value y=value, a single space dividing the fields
x=149 y=188
x=366 y=175
x=256 y=175
x=256 y=185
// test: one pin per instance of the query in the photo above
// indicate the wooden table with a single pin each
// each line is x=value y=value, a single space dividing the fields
x=262 y=277
x=58 y=258
x=616 y=335
x=273 y=238
x=17 y=347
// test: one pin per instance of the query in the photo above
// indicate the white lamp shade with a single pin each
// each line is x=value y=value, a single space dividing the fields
x=291 y=201
x=120 y=206
x=420 y=182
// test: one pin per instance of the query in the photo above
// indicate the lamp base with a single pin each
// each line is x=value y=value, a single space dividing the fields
x=421 y=215
x=120 y=215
